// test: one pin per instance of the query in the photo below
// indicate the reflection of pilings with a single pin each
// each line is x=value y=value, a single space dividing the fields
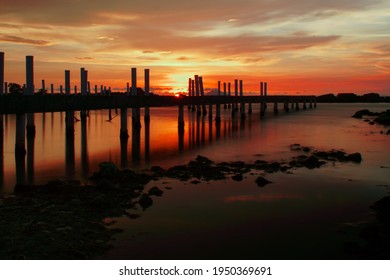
x=20 y=135
x=217 y=130
x=30 y=124
x=250 y=108
x=276 y=110
x=197 y=134
x=20 y=150
x=181 y=140
x=147 y=140
x=304 y=104
x=84 y=144
x=30 y=157
x=136 y=144
x=210 y=111
x=123 y=142
x=123 y=129
x=310 y=103
x=218 y=112
x=69 y=146
x=286 y=108
x=210 y=130
x=297 y=105
x=136 y=117
x=181 y=118
x=1 y=151
x=315 y=102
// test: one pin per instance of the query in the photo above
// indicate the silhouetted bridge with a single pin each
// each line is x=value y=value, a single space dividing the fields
x=11 y=104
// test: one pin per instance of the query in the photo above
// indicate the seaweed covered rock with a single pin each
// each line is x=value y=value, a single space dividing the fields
x=359 y=114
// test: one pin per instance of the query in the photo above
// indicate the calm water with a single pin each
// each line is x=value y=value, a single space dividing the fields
x=299 y=215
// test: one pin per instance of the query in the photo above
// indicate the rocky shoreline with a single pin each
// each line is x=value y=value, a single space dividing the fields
x=382 y=118
x=75 y=220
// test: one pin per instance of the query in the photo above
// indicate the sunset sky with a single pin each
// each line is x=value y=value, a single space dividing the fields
x=298 y=46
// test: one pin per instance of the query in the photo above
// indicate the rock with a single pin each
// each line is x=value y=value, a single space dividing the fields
x=145 y=201
x=295 y=147
x=371 y=123
x=237 y=177
x=155 y=191
x=306 y=149
x=261 y=181
x=157 y=169
x=384 y=118
x=382 y=209
x=203 y=160
x=365 y=112
x=355 y=157
x=312 y=162
x=107 y=169
x=195 y=182
x=388 y=132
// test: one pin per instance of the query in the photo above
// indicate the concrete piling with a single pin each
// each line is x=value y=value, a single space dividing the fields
x=181 y=118
x=224 y=94
x=133 y=81
x=67 y=82
x=204 y=110
x=2 y=90
x=29 y=75
x=197 y=94
x=193 y=93
x=51 y=89
x=242 y=109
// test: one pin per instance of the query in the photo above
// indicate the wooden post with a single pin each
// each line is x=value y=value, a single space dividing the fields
x=297 y=105
x=51 y=89
x=224 y=94
x=315 y=102
x=204 y=110
x=96 y=90
x=102 y=89
x=236 y=94
x=242 y=109
x=2 y=91
x=67 y=82
x=61 y=90
x=123 y=130
x=193 y=93
x=6 y=88
x=210 y=111
x=29 y=75
x=189 y=91
x=304 y=104
x=218 y=113
x=229 y=94
x=89 y=86
x=75 y=89
x=134 y=81
x=127 y=89
x=219 y=88
x=197 y=94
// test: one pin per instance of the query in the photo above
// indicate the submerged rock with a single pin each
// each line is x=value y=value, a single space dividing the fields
x=359 y=114
x=238 y=177
x=155 y=191
x=384 y=118
x=261 y=181
x=145 y=201
x=355 y=157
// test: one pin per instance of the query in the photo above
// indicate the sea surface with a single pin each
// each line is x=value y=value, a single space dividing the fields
x=303 y=214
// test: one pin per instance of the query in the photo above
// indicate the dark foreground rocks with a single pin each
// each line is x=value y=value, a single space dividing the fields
x=75 y=220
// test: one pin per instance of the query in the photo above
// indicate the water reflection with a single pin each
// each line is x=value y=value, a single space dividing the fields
x=158 y=139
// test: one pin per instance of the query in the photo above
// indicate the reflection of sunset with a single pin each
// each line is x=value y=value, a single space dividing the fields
x=301 y=48
x=263 y=197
